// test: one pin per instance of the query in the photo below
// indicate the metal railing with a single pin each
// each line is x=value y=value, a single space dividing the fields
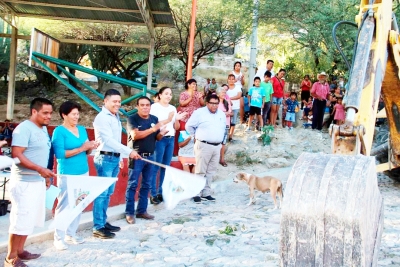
x=61 y=64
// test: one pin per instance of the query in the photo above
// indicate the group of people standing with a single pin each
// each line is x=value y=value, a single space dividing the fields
x=320 y=96
x=151 y=134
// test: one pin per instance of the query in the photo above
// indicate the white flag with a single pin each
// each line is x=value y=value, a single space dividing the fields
x=7 y=161
x=82 y=190
x=179 y=185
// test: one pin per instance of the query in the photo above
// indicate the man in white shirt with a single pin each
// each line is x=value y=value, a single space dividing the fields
x=108 y=159
x=207 y=125
x=261 y=71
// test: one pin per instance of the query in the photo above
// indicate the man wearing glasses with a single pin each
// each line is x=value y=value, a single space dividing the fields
x=207 y=126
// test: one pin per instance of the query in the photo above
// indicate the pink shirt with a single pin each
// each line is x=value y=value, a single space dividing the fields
x=320 y=90
x=221 y=107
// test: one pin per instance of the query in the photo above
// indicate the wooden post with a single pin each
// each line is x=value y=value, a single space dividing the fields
x=11 y=73
x=150 y=64
x=191 y=41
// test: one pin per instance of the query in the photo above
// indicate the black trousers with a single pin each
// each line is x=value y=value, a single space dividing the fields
x=305 y=95
x=318 y=113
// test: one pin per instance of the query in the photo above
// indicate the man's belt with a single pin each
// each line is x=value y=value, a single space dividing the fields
x=209 y=143
x=110 y=153
x=146 y=154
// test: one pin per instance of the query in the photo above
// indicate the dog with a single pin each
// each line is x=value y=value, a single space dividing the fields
x=262 y=184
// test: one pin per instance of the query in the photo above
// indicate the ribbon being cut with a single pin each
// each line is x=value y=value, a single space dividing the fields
x=82 y=190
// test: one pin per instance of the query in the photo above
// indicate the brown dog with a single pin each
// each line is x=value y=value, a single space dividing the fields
x=262 y=184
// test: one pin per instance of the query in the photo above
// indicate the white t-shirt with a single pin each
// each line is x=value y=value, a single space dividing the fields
x=162 y=113
x=239 y=81
x=232 y=93
x=261 y=71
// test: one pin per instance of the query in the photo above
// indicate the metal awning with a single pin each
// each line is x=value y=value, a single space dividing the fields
x=106 y=11
x=149 y=13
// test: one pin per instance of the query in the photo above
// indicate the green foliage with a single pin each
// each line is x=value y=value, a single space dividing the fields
x=211 y=59
x=219 y=24
x=229 y=230
x=175 y=70
x=300 y=33
x=266 y=134
x=243 y=158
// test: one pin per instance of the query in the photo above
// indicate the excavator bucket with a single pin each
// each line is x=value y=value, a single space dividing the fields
x=332 y=213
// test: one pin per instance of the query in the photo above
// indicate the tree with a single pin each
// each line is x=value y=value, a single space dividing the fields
x=123 y=60
x=310 y=25
x=219 y=24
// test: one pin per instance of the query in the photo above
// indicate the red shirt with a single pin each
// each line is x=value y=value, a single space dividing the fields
x=305 y=85
x=278 y=86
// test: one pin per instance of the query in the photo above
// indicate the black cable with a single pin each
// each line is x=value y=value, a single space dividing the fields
x=355 y=42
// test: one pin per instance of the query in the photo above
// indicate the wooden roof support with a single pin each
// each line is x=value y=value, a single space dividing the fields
x=88 y=42
x=99 y=8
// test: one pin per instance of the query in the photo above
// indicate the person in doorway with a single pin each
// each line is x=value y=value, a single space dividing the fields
x=207 y=146
x=108 y=159
x=29 y=179
x=144 y=130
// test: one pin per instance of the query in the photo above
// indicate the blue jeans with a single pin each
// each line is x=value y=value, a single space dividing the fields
x=146 y=169
x=164 y=151
x=106 y=166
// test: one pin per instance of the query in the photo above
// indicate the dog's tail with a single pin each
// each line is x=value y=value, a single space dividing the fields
x=280 y=189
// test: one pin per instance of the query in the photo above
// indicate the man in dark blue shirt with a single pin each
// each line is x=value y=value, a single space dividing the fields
x=143 y=131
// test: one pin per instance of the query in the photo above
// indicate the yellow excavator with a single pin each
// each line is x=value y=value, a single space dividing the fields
x=332 y=214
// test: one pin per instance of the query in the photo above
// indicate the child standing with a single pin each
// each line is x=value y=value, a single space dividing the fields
x=307 y=107
x=338 y=110
x=256 y=103
x=291 y=104
x=268 y=91
x=309 y=120
x=284 y=109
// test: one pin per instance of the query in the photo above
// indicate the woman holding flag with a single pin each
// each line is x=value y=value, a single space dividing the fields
x=71 y=147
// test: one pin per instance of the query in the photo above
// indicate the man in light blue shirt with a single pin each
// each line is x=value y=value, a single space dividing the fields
x=108 y=159
x=207 y=125
x=31 y=145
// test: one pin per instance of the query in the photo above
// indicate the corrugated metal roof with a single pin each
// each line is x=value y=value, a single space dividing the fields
x=111 y=11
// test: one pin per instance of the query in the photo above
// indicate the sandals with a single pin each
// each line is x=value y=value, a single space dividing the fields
x=223 y=163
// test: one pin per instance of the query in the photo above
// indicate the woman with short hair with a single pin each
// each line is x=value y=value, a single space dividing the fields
x=71 y=147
